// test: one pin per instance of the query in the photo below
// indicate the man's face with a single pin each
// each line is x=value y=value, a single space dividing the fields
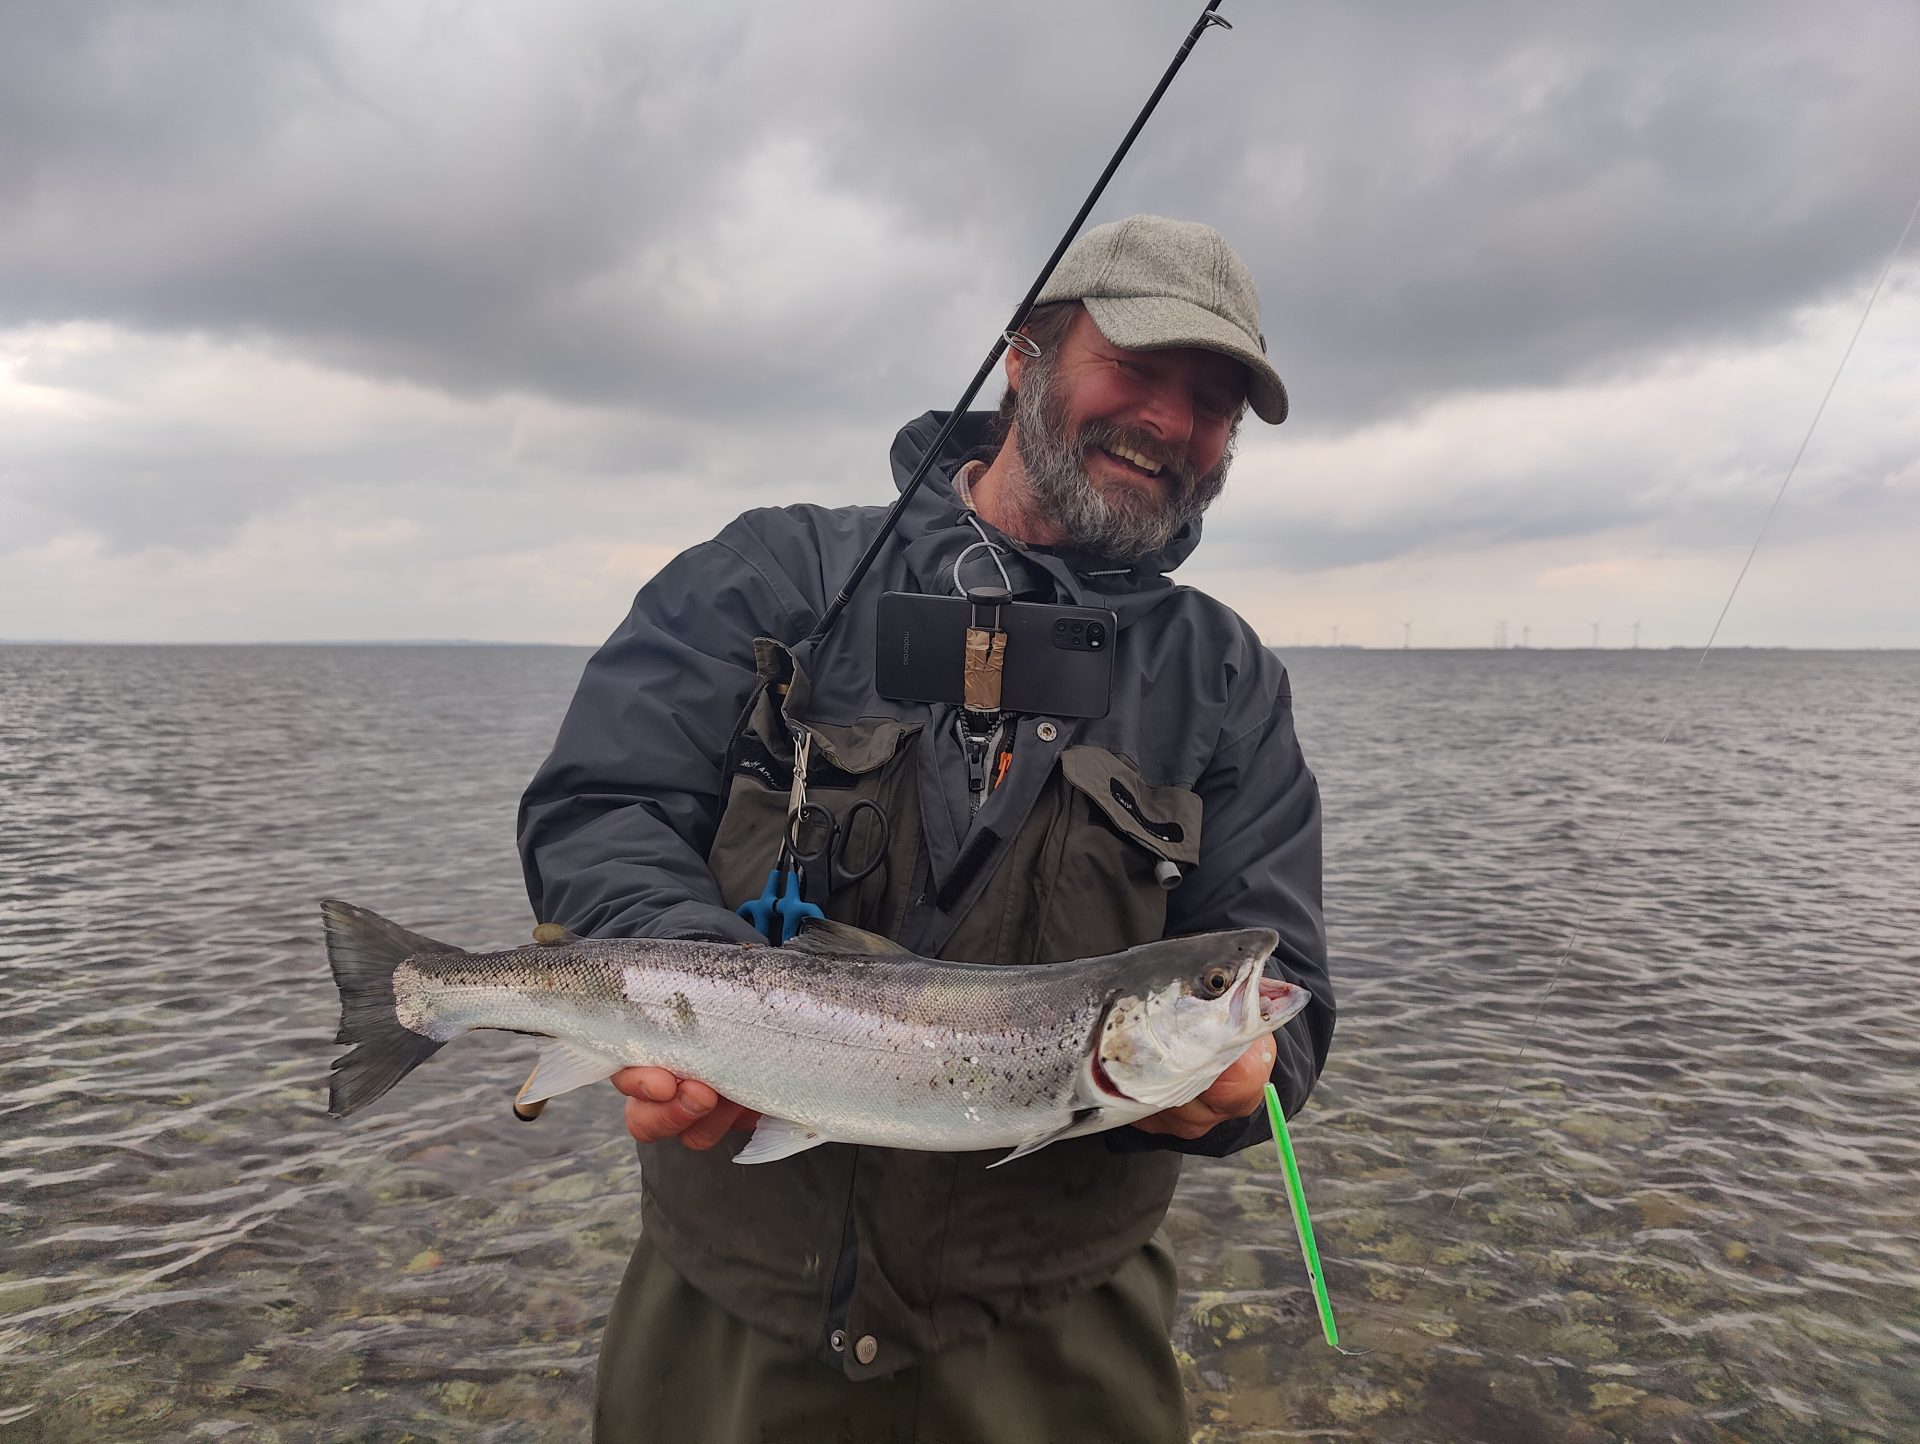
x=1121 y=449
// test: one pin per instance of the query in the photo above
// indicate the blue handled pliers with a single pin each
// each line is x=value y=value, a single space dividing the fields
x=779 y=910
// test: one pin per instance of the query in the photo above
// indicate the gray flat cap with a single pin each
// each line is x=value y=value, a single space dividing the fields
x=1150 y=283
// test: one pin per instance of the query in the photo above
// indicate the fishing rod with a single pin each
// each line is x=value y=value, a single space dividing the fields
x=1208 y=19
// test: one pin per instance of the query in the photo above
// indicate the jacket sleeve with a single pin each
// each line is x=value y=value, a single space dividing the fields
x=1260 y=867
x=615 y=827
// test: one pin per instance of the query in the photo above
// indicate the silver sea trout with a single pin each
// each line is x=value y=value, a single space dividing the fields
x=839 y=1036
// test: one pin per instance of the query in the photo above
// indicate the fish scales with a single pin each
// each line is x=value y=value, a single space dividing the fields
x=753 y=1022
x=840 y=1036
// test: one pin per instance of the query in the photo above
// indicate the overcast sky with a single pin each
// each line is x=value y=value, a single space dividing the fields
x=397 y=320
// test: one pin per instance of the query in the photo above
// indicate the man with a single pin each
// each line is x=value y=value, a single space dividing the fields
x=874 y=1294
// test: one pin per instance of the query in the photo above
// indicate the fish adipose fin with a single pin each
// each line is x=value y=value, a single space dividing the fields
x=777 y=1138
x=823 y=935
x=1084 y=1120
x=564 y=1067
x=363 y=949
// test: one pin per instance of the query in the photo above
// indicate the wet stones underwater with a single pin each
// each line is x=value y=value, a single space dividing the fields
x=1690 y=1220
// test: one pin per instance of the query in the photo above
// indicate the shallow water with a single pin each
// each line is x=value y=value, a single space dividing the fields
x=1691 y=1216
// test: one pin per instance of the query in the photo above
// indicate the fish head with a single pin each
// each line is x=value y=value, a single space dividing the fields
x=1188 y=1009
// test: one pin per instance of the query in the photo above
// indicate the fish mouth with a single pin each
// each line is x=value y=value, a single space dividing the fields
x=1279 y=1001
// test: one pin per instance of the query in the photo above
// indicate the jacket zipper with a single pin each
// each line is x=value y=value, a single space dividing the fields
x=981 y=749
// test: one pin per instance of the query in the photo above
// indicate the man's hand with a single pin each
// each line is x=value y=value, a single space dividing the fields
x=661 y=1106
x=1234 y=1094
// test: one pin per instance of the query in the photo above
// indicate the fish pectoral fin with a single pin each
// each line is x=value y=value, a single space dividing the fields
x=1084 y=1120
x=564 y=1067
x=778 y=1138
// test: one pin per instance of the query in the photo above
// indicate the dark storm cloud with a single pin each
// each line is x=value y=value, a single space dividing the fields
x=635 y=204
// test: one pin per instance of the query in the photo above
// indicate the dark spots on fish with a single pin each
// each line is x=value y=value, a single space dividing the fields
x=682 y=1009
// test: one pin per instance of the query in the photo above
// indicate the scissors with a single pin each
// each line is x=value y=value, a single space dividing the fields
x=824 y=863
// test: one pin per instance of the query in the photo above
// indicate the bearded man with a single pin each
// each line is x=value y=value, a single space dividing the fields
x=867 y=1294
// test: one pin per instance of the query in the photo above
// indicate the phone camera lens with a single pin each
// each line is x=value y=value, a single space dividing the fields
x=1060 y=628
x=1096 y=634
x=1078 y=627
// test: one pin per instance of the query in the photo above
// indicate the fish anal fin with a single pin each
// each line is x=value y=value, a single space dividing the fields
x=776 y=1138
x=565 y=1066
x=1084 y=1120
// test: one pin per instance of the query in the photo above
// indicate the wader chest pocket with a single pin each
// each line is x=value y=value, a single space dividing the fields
x=868 y=760
x=1165 y=821
x=1113 y=830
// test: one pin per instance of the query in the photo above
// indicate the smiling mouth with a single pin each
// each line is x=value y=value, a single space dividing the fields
x=1134 y=462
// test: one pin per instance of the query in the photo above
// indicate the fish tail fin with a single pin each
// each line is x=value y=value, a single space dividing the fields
x=363 y=949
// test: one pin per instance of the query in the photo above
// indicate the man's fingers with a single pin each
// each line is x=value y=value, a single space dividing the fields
x=651 y=1122
x=1234 y=1094
x=707 y=1131
x=725 y=1119
x=649 y=1085
x=1237 y=1092
x=640 y=1120
x=661 y=1106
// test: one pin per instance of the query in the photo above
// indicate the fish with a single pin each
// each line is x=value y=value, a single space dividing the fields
x=840 y=1036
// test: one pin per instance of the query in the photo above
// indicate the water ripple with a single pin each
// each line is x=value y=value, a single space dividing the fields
x=1691 y=1218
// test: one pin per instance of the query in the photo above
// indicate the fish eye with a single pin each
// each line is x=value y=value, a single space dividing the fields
x=1215 y=981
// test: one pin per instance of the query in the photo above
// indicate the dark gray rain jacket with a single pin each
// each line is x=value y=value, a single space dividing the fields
x=660 y=811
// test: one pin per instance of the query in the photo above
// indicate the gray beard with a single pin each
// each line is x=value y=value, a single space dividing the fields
x=1124 y=524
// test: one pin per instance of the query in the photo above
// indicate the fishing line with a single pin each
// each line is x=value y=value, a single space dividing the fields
x=1644 y=758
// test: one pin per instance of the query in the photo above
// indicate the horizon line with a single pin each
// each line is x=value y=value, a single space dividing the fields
x=1691 y=647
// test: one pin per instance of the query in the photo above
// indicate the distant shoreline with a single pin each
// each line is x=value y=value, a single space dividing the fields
x=1689 y=648
x=320 y=642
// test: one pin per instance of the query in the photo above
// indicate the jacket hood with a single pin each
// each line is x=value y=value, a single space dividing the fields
x=1046 y=573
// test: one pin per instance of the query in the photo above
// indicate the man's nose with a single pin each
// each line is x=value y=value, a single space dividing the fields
x=1168 y=414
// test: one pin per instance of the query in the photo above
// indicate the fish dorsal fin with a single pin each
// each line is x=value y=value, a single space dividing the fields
x=565 y=1066
x=777 y=1138
x=823 y=935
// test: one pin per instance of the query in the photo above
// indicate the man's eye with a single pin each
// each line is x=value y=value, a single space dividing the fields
x=1140 y=371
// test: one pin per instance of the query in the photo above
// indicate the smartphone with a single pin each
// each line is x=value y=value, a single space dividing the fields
x=1059 y=660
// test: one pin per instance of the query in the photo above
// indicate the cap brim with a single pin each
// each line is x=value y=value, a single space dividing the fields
x=1155 y=323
